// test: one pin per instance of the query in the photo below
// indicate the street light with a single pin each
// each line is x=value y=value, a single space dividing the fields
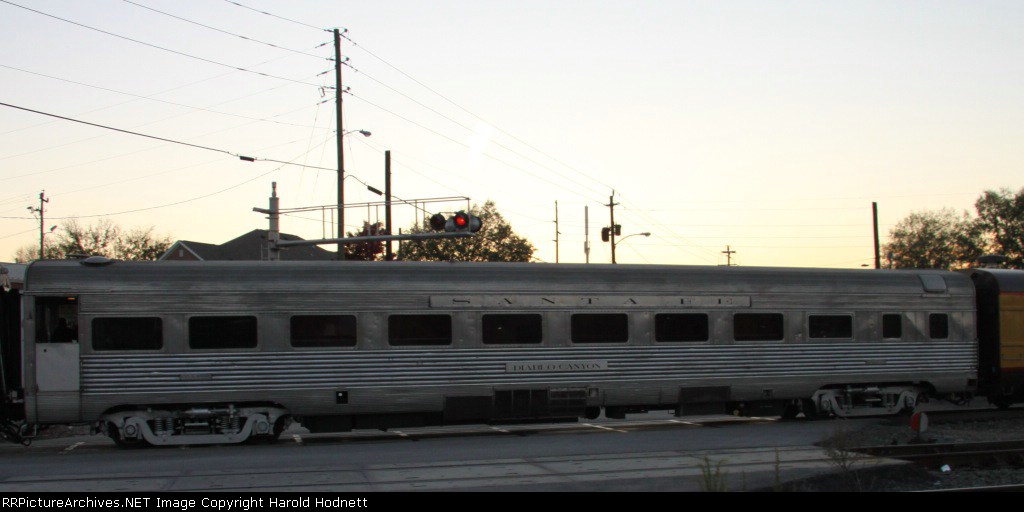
x=341 y=185
x=369 y=187
x=619 y=241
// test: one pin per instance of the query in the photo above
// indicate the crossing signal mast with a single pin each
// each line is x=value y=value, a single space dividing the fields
x=459 y=225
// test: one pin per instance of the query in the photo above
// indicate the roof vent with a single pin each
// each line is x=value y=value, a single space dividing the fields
x=933 y=283
x=97 y=261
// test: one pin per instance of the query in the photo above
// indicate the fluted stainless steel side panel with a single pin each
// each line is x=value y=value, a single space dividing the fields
x=434 y=373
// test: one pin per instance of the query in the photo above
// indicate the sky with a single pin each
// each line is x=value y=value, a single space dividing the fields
x=768 y=128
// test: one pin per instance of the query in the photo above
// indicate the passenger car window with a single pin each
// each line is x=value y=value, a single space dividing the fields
x=938 y=326
x=758 y=327
x=892 y=326
x=132 y=333
x=406 y=330
x=830 y=326
x=323 y=331
x=212 y=332
x=600 y=328
x=670 y=327
x=511 y=329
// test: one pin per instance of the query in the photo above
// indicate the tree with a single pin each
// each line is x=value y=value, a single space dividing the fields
x=1001 y=220
x=366 y=251
x=494 y=242
x=102 y=239
x=935 y=240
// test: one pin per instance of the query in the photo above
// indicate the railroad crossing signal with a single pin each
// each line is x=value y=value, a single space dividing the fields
x=461 y=222
x=437 y=222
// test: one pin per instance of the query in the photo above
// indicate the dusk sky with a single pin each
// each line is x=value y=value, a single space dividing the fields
x=766 y=126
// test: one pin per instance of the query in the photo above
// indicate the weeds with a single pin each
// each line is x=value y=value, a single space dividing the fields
x=713 y=479
x=840 y=452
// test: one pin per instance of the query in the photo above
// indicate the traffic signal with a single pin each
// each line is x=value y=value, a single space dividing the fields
x=606 y=233
x=463 y=222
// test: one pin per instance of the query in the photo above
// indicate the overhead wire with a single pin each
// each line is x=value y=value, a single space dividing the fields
x=457 y=123
x=464 y=109
x=467 y=128
x=401 y=163
x=413 y=100
x=196 y=198
x=36 y=173
x=139 y=96
x=175 y=88
x=372 y=54
x=158 y=47
x=198 y=146
x=272 y=45
x=331 y=169
x=275 y=16
x=492 y=157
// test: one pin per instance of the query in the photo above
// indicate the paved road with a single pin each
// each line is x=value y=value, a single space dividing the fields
x=654 y=454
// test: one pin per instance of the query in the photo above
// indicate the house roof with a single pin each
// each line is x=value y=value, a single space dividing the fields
x=250 y=246
x=12 y=275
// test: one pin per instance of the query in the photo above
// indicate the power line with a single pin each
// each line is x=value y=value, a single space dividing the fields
x=467 y=128
x=226 y=32
x=126 y=38
x=111 y=214
x=240 y=156
x=139 y=96
x=276 y=16
x=119 y=129
x=16 y=234
x=492 y=157
x=464 y=109
x=175 y=88
x=204 y=196
x=106 y=158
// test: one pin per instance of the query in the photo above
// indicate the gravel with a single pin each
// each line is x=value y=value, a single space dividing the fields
x=901 y=477
x=910 y=477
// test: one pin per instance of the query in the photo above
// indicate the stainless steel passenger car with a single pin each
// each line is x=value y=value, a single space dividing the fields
x=200 y=352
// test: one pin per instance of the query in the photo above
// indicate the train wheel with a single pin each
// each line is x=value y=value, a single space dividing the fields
x=791 y=411
x=810 y=411
x=280 y=426
x=909 y=406
x=126 y=444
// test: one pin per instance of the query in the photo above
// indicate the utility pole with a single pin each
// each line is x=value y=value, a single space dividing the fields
x=556 y=232
x=42 y=222
x=728 y=252
x=388 y=254
x=586 y=232
x=274 y=234
x=878 y=255
x=611 y=207
x=341 y=147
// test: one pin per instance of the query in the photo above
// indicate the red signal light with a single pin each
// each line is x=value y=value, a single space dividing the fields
x=463 y=222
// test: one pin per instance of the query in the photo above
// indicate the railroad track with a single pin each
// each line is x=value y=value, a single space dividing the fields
x=969 y=414
x=934 y=456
